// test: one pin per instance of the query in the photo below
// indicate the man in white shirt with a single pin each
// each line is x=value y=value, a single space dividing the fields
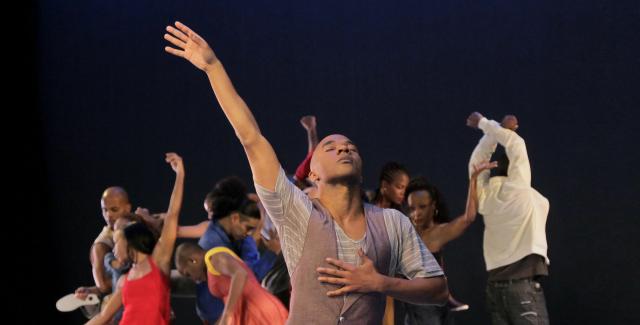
x=515 y=215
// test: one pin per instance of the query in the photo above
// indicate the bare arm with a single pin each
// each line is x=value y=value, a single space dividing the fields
x=164 y=248
x=262 y=158
x=195 y=231
x=452 y=230
x=102 y=280
x=111 y=308
x=309 y=123
x=231 y=267
x=421 y=291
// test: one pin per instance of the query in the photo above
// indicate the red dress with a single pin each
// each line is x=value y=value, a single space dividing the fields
x=146 y=300
x=256 y=306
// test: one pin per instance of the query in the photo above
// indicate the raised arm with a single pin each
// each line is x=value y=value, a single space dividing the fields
x=452 y=230
x=262 y=158
x=482 y=152
x=164 y=248
x=519 y=168
x=309 y=124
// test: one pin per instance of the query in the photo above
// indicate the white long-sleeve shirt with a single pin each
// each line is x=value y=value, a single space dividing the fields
x=514 y=213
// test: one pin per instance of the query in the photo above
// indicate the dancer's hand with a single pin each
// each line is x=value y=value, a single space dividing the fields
x=272 y=244
x=362 y=278
x=175 y=161
x=482 y=166
x=190 y=46
x=83 y=292
x=474 y=119
x=308 y=122
x=143 y=212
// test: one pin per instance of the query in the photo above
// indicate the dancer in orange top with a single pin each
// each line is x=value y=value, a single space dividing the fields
x=230 y=279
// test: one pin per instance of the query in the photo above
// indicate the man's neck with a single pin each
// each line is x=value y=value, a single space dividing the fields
x=343 y=202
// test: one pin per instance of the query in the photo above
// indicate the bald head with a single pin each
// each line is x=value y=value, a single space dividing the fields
x=115 y=204
x=190 y=261
x=115 y=191
x=336 y=159
x=187 y=251
x=510 y=122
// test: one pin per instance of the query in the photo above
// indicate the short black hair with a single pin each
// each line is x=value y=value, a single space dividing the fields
x=140 y=238
x=230 y=195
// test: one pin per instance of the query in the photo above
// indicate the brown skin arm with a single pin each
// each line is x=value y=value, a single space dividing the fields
x=262 y=158
x=452 y=230
x=195 y=231
x=231 y=267
x=164 y=248
x=102 y=280
x=309 y=124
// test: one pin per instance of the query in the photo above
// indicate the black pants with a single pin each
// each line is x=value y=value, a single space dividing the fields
x=516 y=302
x=427 y=315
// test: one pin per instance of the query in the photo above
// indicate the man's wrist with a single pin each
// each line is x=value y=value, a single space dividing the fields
x=383 y=283
x=212 y=66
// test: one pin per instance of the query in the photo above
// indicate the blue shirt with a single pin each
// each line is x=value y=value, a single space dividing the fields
x=209 y=307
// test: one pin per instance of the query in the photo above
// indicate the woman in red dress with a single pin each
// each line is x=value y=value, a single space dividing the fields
x=144 y=291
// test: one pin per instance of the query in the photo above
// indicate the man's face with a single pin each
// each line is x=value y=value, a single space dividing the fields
x=336 y=158
x=193 y=269
x=114 y=207
x=421 y=208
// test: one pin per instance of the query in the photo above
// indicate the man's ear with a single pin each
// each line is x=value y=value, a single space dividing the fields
x=313 y=176
x=235 y=217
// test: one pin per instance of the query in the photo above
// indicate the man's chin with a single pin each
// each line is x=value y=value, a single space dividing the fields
x=352 y=178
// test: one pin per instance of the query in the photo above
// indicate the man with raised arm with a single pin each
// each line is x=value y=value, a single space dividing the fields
x=515 y=216
x=341 y=254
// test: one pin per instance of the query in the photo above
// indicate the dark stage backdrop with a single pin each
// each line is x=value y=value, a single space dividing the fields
x=399 y=78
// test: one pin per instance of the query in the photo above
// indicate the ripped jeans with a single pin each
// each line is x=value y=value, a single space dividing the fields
x=516 y=302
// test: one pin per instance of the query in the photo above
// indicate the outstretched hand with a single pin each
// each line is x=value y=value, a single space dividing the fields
x=190 y=46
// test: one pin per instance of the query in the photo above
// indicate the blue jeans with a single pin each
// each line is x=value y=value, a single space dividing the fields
x=516 y=302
